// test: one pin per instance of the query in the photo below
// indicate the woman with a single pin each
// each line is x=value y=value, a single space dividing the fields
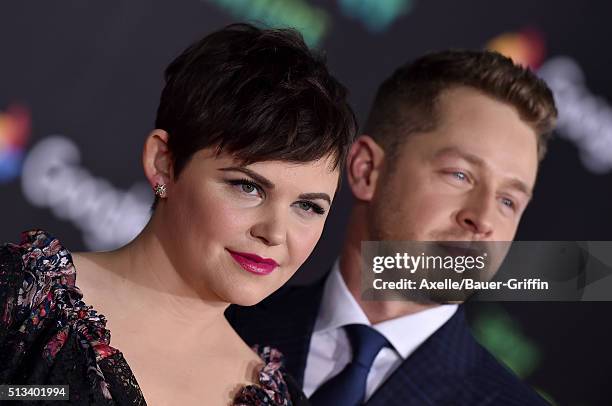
x=251 y=133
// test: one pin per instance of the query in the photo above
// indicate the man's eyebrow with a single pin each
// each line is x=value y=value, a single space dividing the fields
x=260 y=179
x=313 y=196
x=514 y=183
x=520 y=186
x=474 y=159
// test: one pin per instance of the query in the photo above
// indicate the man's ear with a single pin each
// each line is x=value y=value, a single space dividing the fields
x=363 y=167
x=157 y=159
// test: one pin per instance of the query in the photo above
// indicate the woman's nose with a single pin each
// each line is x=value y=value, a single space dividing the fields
x=271 y=228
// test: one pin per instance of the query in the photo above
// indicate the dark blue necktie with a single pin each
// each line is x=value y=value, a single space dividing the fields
x=348 y=387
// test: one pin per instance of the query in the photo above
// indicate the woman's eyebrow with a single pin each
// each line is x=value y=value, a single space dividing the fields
x=313 y=196
x=269 y=185
x=264 y=181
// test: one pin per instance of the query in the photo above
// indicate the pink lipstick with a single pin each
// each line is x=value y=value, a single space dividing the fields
x=254 y=263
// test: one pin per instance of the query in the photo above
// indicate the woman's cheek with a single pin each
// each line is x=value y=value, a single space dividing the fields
x=304 y=240
x=230 y=221
x=218 y=208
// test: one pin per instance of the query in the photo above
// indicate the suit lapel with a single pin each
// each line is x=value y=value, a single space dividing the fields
x=432 y=369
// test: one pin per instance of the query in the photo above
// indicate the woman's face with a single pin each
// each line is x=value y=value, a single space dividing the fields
x=238 y=233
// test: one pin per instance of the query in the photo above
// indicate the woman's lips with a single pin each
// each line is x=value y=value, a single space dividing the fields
x=254 y=263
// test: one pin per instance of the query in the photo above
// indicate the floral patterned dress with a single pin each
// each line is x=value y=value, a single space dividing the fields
x=48 y=335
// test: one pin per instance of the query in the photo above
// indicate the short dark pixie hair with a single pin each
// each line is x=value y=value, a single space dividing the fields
x=406 y=102
x=259 y=94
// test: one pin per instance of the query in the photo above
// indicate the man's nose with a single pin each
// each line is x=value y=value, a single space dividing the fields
x=477 y=215
x=271 y=226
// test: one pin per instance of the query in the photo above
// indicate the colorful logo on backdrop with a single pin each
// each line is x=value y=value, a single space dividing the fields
x=14 y=134
x=376 y=15
x=312 y=22
x=585 y=118
x=526 y=47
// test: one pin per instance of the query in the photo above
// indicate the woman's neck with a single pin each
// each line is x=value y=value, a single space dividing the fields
x=141 y=280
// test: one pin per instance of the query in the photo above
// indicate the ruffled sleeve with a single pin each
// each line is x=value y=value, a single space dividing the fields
x=273 y=388
x=48 y=335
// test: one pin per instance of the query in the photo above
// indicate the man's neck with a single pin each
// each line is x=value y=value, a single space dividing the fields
x=350 y=269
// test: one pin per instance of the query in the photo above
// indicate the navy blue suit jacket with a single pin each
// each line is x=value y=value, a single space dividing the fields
x=449 y=368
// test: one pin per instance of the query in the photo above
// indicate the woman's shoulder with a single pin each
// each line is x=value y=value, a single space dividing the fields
x=39 y=294
x=275 y=386
x=40 y=253
x=31 y=271
x=47 y=332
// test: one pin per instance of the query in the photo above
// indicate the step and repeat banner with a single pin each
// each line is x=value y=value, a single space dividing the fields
x=80 y=82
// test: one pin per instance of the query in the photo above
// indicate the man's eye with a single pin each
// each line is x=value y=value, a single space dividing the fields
x=508 y=202
x=460 y=175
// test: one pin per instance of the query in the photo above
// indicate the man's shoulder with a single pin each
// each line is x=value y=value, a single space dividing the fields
x=492 y=381
x=451 y=367
x=487 y=381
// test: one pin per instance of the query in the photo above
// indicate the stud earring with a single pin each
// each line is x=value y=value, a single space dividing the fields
x=160 y=190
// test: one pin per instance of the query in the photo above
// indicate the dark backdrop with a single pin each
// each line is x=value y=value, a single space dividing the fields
x=92 y=73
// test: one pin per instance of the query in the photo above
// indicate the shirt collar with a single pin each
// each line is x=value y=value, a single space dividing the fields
x=406 y=333
x=338 y=306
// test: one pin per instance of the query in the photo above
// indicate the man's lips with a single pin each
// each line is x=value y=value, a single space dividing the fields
x=254 y=263
x=461 y=248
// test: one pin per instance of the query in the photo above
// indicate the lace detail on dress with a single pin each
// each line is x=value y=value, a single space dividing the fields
x=272 y=389
x=52 y=329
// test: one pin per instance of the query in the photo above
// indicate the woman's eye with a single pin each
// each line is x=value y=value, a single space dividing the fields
x=246 y=186
x=311 y=207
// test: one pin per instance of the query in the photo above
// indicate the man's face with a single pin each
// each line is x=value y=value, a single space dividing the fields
x=469 y=179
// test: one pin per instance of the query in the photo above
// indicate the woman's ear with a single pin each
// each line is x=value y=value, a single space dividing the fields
x=157 y=159
x=364 y=163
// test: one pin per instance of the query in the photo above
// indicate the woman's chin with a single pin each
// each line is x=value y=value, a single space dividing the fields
x=247 y=295
x=248 y=301
x=248 y=298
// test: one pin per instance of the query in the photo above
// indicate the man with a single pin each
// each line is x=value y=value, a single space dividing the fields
x=450 y=152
